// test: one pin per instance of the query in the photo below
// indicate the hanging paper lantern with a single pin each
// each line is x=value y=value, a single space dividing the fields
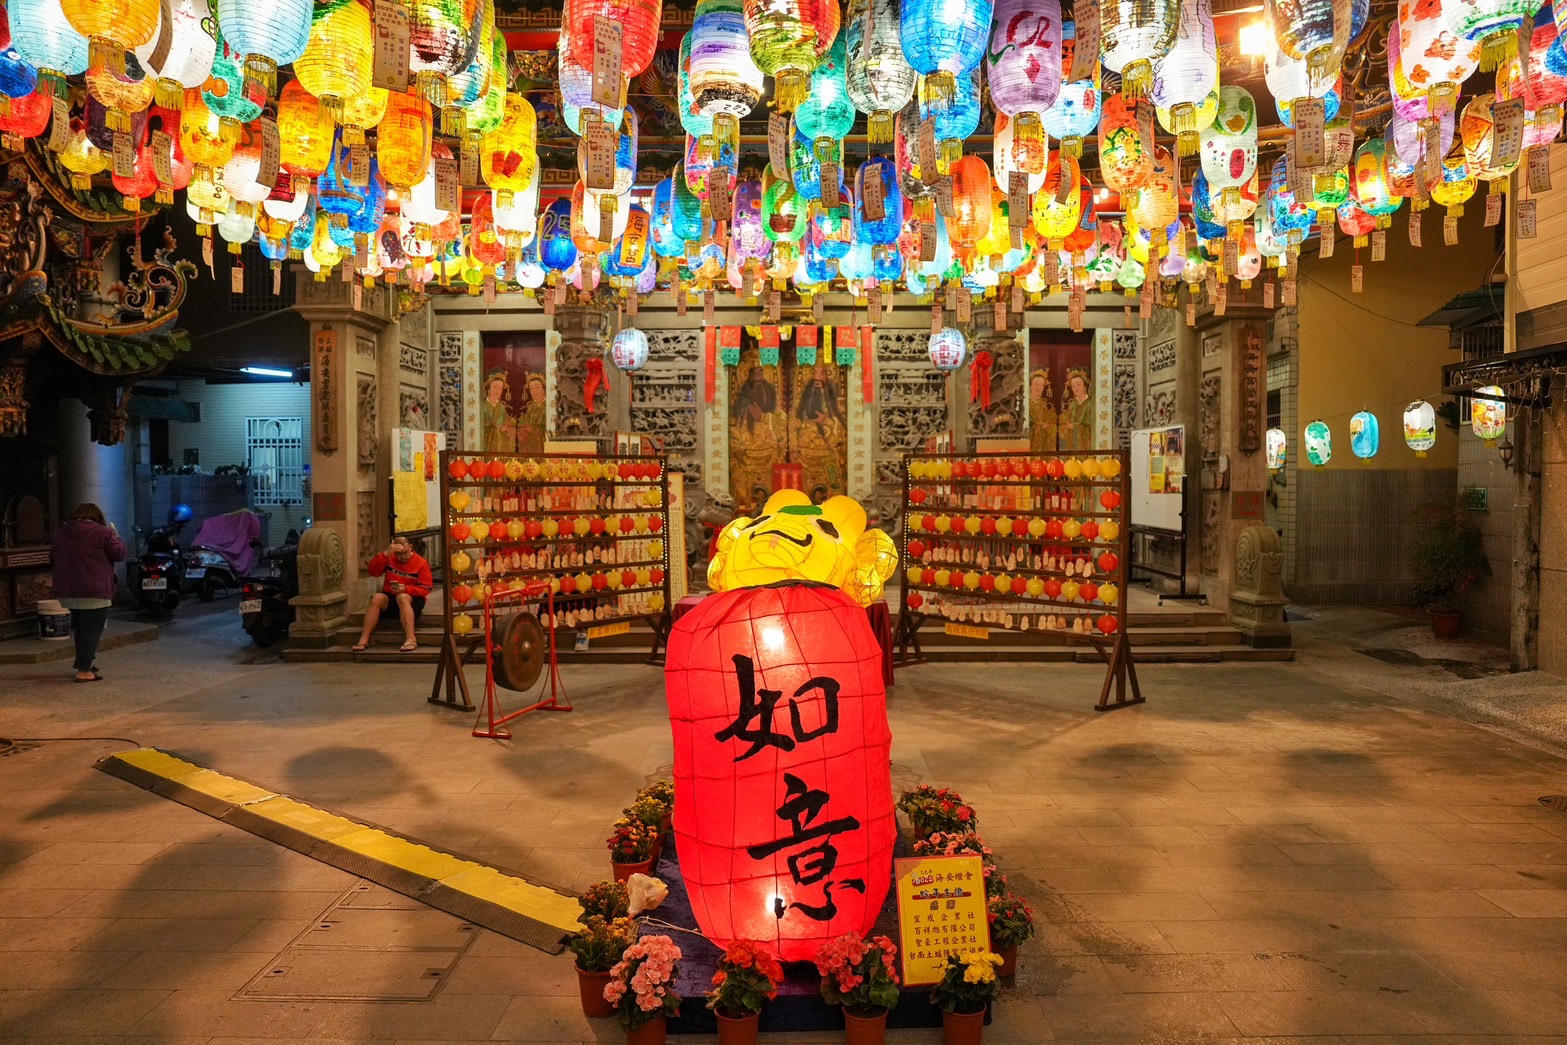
x=970 y=221
x=465 y=91
x=140 y=184
x=884 y=232
x=1353 y=221
x=305 y=131
x=944 y=40
x=723 y=77
x=1134 y=34
x=45 y=39
x=1229 y=147
x=1477 y=128
x=1289 y=80
x=442 y=40
x=629 y=349
x=1074 y=115
x=948 y=349
x=269 y=35
x=1056 y=219
x=746 y=228
x=957 y=114
x=625 y=156
x=123 y=95
x=1124 y=164
x=686 y=213
x=243 y=168
x=29 y=115
x=1456 y=185
x=18 y=79
x=639 y=25
x=1493 y=24
x=403 y=140
x=1371 y=188
x=1365 y=436
x=783 y=213
x=788 y=38
x=1024 y=71
x=1277 y=448
x=1156 y=203
x=1419 y=427
x=1434 y=60
x=112 y=27
x=556 y=248
x=696 y=123
x=1312 y=31
x=1003 y=157
x=785 y=823
x=1488 y=416
x=1185 y=77
x=826 y=116
x=880 y=80
x=339 y=54
x=1319 y=444
x=574 y=74
x=509 y=154
x=180 y=54
x=201 y=135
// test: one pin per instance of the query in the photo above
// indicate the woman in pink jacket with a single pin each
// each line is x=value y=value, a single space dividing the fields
x=85 y=551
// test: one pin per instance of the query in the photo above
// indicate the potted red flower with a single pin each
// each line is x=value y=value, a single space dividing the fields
x=747 y=978
x=931 y=809
x=1011 y=922
x=862 y=976
x=642 y=989
x=630 y=848
x=599 y=945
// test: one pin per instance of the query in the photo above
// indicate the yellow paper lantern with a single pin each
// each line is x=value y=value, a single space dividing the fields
x=1109 y=530
x=462 y=624
x=83 y=160
x=362 y=112
x=459 y=500
x=339 y=56
x=509 y=154
x=462 y=562
x=204 y=139
x=655 y=549
x=305 y=130
x=402 y=141
x=793 y=539
x=112 y=27
x=1004 y=528
x=480 y=530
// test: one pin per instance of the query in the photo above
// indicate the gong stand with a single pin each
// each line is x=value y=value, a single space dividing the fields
x=522 y=661
x=1023 y=488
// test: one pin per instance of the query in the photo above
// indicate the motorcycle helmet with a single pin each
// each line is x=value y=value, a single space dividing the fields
x=180 y=513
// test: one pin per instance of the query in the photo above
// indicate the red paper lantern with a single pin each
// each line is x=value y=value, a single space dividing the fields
x=1108 y=561
x=1090 y=530
x=1019 y=467
x=916 y=600
x=496 y=469
x=628 y=578
x=987 y=582
x=596 y=526
x=1037 y=468
x=600 y=582
x=1054 y=529
x=534 y=529
x=1110 y=499
x=916 y=549
x=462 y=594
x=783 y=815
x=568 y=584
x=625 y=469
x=956 y=580
x=1054 y=468
x=917 y=496
x=1108 y=624
x=657 y=575
x=1053 y=588
x=656 y=523
x=1089 y=591
x=989 y=467
x=457 y=469
x=928 y=524
x=987 y=526
x=627 y=524
x=460 y=531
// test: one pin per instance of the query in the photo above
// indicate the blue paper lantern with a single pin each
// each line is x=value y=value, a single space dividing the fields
x=889 y=265
x=805 y=168
x=828 y=113
x=1074 y=116
x=1365 y=435
x=18 y=78
x=945 y=39
x=661 y=226
x=883 y=232
x=269 y=34
x=686 y=213
x=44 y=39
x=556 y=248
x=956 y=118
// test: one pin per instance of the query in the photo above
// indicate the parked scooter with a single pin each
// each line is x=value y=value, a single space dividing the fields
x=159 y=574
x=264 y=608
x=209 y=571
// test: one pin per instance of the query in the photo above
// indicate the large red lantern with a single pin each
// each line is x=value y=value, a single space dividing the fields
x=783 y=792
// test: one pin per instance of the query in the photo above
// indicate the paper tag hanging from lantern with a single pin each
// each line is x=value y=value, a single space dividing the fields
x=1450 y=230
x=1191 y=312
x=359 y=165
x=1001 y=321
x=1328 y=237
x=1267 y=294
x=944 y=200
x=1378 y=245
x=1310 y=147
x=468 y=163
x=1287 y=293
x=1507 y=141
x=389 y=67
x=709 y=305
x=1085 y=52
x=951 y=290
x=778 y=144
x=271 y=153
x=163 y=157
x=607 y=50
x=599 y=142
x=1017 y=199
x=1526 y=219
x=729 y=345
x=874 y=307
x=927 y=151
x=818 y=307
x=448 y=193
x=123 y=155
x=937 y=317
x=1539 y=160
x=1415 y=233
x=60 y=126
x=805 y=345
x=1357 y=278
x=1221 y=300
x=848 y=339
x=873 y=193
x=1493 y=209
x=927 y=241
x=236 y=277
x=965 y=305
x=774 y=305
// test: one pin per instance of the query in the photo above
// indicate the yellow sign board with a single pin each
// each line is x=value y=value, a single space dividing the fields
x=967 y=631
x=606 y=630
x=941 y=911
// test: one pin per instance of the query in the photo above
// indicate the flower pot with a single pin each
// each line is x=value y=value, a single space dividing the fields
x=865 y=1030
x=650 y=1033
x=591 y=986
x=962 y=1028
x=739 y=1030
x=1446 y=624
x=1008 y=961
x=624 y=871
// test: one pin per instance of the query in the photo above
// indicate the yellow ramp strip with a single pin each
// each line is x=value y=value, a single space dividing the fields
x=487 y=886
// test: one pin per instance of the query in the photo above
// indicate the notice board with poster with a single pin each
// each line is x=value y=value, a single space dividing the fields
x=941 y=910
x=416 y=479
x=1159 y=477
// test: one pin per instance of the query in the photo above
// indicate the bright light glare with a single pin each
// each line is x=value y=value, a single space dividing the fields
x=1255 y=40
x=773 y=637
x=265 y=371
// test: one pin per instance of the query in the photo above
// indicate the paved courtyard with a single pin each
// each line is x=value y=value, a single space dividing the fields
x=1339 y=850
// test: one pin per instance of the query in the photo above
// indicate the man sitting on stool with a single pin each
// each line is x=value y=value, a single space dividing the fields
x=407 y=581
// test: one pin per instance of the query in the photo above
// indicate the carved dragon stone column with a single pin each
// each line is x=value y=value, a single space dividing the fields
x=582 y=341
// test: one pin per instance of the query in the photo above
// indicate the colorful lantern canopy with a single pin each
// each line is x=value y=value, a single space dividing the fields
x=1134 y=35
x=1370 y=187
x=957 y=113
x=1024 y=70
x=1434 y=60
x=944 y=40
x=1319 y=444
x=179 y=55
x=45 y=39
x=1124 y=163
x=639 y=26
x=403 y=140
x=1187 y=75
x=1289 y=80
x=112 y=27
x=1229 y=147
x=826 y=116
x=1419 y=427
x=879 y=79
x=948 y=349
x=508 y=154
x=884 y=232
x=269 y=34
x=305 y=131
x=1365 y=436
x=1277 y=449
x=1488 y=414
x=788 y=38
x=741 y=780
x=336 y=63
x=629 y=349
x=971 y=203
x=724 y=79
x=1493 y=24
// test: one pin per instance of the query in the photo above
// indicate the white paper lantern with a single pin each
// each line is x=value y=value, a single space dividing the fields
x=629 y=349
x=948 y=349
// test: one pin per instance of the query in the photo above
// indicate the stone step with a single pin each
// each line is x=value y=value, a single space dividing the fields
x=116 y=633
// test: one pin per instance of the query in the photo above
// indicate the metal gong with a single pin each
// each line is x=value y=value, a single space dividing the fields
x=519 y=651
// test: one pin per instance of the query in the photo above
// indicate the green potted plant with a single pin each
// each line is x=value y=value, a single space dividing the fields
x=642 y=989
x=1011 y=922
x=598 y=946
x=862 y=976
x=747 y=978
x=1447 y=556
x=964 y=993
x=630 y=848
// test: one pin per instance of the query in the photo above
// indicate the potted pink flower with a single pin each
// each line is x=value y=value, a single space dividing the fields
x=747 y=978
x=642 y=989
x=862 y=976
x=965 y=843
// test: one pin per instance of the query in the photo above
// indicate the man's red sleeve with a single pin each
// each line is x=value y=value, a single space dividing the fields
x=377 y=564
x=426 y=581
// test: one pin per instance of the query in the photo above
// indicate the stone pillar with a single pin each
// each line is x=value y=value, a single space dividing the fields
x=582 y=341
x=91 y=471
x=1234 y=480
x=346 y=322
x=1257 y=599
x=320 y=607
x=1008 y=380
x=1185 y=411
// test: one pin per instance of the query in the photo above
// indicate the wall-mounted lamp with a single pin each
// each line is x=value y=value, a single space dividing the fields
x=265 y=371
x=1505 y=448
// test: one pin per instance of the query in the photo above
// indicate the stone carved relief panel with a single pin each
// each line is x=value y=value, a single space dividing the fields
x=449 y=377
x=582 y=341
x=1007 y=378
x=364 y=512
x=1123 y=396
x=1208 y=397
x=1161 y=357
x=364 y=347
x=369 y=428
x=414 y=360
x=413 y=410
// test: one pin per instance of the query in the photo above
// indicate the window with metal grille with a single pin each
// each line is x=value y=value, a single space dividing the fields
x=275 y=451
x=256 y=295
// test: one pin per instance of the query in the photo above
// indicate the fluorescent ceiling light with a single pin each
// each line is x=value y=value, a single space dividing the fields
x=265 y=371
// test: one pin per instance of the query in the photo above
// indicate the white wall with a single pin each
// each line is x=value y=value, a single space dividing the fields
x=220 y=434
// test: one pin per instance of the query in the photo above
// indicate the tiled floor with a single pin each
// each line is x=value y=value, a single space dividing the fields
x=1260 y=853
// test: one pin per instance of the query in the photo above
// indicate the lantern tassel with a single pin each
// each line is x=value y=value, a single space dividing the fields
x=790 y=89
x=726 y=130
x=1072 y=147
x=454 y=121
x=262 y=72
x=169 y=94
x=878 y=126
x=1137 y=78
x=103 y=53
x=940 y=88
x=1497 y=50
